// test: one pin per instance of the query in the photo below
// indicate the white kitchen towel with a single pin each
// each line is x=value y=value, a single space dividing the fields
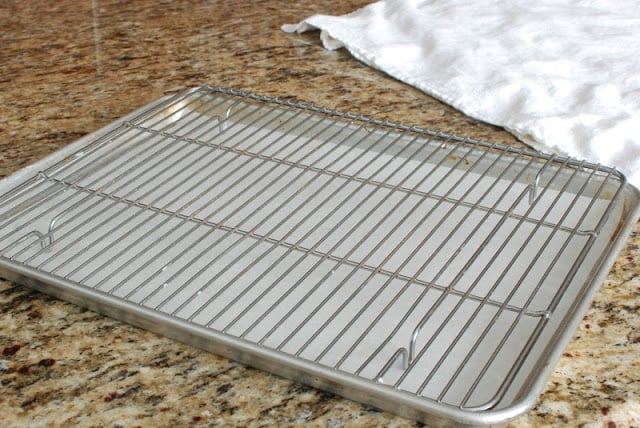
x=562 y=75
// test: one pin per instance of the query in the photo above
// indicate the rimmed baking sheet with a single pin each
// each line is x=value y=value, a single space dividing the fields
x=427 y=274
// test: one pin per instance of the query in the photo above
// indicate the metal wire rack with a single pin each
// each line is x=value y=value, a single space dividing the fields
x=417 y=271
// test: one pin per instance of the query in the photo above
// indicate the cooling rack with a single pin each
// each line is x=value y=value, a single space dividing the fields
x=427 y=274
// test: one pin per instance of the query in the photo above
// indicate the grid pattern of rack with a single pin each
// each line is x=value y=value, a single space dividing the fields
x=422 y=263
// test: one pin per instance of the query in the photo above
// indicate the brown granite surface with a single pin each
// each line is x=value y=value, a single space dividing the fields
x=69 y=67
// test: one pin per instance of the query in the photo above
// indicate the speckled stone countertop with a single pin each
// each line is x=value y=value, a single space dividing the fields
x=69 y=67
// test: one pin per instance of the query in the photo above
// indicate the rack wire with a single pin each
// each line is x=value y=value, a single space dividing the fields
x=419 y=263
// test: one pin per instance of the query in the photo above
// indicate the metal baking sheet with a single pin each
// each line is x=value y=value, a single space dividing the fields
x=426 y=274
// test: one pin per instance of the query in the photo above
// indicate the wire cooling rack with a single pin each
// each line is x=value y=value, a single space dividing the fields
x=424 y=273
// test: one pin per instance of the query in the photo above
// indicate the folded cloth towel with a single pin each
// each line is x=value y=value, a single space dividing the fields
x=562 y=75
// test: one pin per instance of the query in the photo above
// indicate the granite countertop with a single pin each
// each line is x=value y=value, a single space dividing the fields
x=67 y=68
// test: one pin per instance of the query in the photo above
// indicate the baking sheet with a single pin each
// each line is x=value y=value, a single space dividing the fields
x=423 y=273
